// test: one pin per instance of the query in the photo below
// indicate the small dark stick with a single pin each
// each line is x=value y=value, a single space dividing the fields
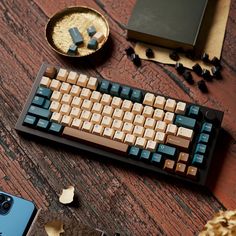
x=197 y=69
x=205 y=57
x=76 y=36
x=188 y=77
x=149 y=53
x=136 y=59
x=216 y=62
x=129 y=51
x=216 y=72
x=179 y=67
x=202 y=86
x=174 y=56
x=206 y=75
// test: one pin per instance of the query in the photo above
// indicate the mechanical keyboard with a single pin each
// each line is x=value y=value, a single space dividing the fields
x=113 y=120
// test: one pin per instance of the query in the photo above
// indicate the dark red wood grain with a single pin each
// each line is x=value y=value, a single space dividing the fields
x=113 y=197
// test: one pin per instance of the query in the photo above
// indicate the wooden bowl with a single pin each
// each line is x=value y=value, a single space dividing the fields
x=58 y=36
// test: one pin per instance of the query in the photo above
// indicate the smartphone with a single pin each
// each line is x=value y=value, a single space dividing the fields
x=16 y=215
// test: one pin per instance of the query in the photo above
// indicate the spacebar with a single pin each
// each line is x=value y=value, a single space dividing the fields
x=96 y=140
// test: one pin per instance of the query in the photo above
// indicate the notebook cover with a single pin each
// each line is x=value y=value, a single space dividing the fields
x=170 y=23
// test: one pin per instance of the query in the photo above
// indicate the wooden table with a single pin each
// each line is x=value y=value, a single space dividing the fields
x=112 y=196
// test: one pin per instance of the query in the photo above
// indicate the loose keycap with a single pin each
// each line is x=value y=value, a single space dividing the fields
x=76 y=36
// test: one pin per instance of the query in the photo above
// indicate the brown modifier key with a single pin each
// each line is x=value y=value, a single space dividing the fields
x=50 y=72
x=177 y=141
x=99 y=141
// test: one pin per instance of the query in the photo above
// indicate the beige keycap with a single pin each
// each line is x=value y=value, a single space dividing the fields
x=139 y=120
x=77 y=123
x=65 y=87
x=128 y=128
x=151 y=145
x=72 y=77
x=87 y=126
x=119 y=136
x=76 y=102
x=158 y=114
x=180 y=108
x=159 y=102
x=118 y=114
x=169 y=117
x=87 y=105
x=160 y=137
x=99 y=36
x=85 y=115
x=140 y=142
x=85 y=93
x=56 y=117
x=185 y=133
x=97 y=107
x=66 y=120
x=130 y=139
x=149 y=123
x=62 y=75
x=96 y=118
x=92 y=83
x=148 y=111
x=56 y=96
x=75 y=112
x=170 y=105
x=171 y=129
x=66 y=99
x=106 y=99
x=75 y=90
x=96 y=96
x=128 y=117
x=106 y=121
x=98 y=129
x=45 y=81
x=149 y=99
x=149 y=134
x=117 y=125
x=160 y=126
x=55 y=106
x=107 y=110
x=116 y=102
x=126 y=105
x=138 y=131
x=82 y=80
x=65 y=109
x=108 y=132
x=137 y=108
x=55 y=84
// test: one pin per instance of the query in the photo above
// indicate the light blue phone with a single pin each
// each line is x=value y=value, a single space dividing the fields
x=16 y=215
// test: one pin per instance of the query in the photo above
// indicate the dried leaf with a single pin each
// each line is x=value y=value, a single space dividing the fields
x=54 y=228
x=67 y=195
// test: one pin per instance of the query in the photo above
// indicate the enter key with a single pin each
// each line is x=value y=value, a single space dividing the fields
x=178 y=142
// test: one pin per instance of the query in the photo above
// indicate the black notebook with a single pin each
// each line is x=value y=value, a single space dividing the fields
x=169 y=23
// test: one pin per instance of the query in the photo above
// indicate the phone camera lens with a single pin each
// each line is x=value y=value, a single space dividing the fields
x=6 y=206
x=2 y=198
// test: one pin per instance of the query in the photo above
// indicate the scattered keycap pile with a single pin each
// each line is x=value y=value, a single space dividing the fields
x=95 y=39
x=223 y=223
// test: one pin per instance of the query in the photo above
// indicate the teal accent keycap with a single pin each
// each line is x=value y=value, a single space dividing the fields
x=185 y=121
x=38 y=101
x=156 y=159
x=92 y=44
x=166 y=150
x=194 y=111
x=42 y=124
x=207 y=128
x=115 y=89
x=204 y=138
x=145 y=155
x=198 y=160
x=39 y=112
x=44 y=92
x=55 y=128
x=201 y=148
x=29 y=120
x=134 y=152
x=125 y=92
x=136 y=95
x=47 y=104
x=105 y=86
